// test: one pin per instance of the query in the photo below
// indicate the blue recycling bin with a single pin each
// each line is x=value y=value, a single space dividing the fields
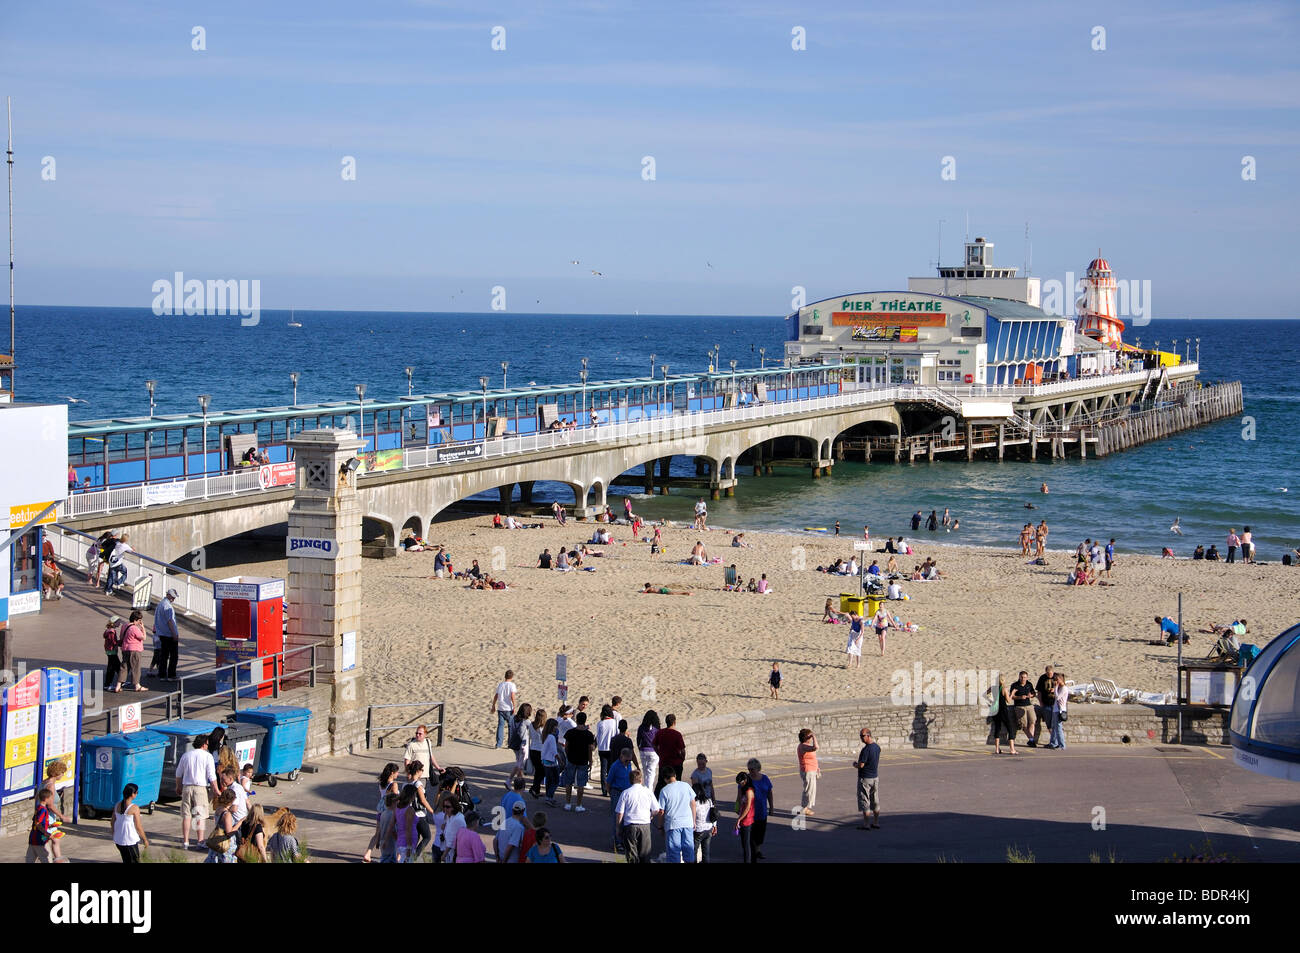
x=286 y=739
x=111 y=762
x=179 y=735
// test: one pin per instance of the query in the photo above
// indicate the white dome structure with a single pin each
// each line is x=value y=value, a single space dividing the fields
x=1265 y=725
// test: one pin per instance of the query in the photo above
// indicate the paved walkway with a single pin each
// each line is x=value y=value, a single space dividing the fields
x=951 y=805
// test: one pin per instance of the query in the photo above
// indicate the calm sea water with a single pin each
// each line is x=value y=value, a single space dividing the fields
x=1211 y=478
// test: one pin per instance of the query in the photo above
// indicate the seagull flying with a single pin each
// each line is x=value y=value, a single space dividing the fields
x=575 y=262
x=597 y=273
x=76 y=400
x=1176 y=528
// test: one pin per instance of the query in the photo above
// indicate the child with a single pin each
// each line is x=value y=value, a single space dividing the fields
x=113 y=660
x=246 y=781
x=774 y=680
x=43 y=841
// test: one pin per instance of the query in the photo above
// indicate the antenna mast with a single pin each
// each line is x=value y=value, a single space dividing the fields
x=9 y=159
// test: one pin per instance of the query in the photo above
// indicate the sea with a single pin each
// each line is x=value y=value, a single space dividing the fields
x=1236 y=472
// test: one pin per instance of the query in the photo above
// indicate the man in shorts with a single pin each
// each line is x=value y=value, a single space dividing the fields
x=868 y=765
x=1023 y=694
x=578 y=745
x=196 y=780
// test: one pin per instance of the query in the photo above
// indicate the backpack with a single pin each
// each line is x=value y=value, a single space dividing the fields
x=112 y=639
x=516 y=740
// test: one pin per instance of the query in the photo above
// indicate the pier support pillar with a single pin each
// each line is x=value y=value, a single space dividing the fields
x=758 y=460
x=1002 y=441
x=898 y=449
x=506 y=493
x=930 y=453
x=1033 y=447
x=664 y=464
x=767 y=469
x=816 y=471
x=970 y=441
x=649 y=483
x=1083 y=445
x=525 y=491
x=701 y=467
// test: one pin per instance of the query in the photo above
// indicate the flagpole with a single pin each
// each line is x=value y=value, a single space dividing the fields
x=9 y=159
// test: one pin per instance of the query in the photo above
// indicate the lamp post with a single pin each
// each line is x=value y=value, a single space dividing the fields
x=583 y=375
x=410 y=381
x=652 y=366
x=204 y=399
x=482 y=382
x=734 y=395
x=151 y=385
x=1187 y=349
x=361 y=417
x=1198 y=351
x=505 y=365
x=762 y=358
x=665 y=370
x=293 y=376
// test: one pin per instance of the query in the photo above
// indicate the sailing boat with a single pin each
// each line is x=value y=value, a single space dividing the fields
x=292 y=322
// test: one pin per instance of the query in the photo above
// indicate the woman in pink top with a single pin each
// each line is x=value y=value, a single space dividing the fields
x=469 y=846
x=132 y=649
x=809 y=770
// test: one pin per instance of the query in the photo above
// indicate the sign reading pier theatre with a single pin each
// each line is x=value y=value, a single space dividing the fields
x=312 y=548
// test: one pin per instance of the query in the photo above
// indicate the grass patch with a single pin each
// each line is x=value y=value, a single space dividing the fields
x=1016 y=856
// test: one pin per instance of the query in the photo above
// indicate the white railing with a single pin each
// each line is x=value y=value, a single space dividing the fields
x=216 y=486
x=194 y=596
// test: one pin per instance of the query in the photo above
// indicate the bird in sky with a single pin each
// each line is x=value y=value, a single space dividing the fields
x=709 y=264
x=575 y=262
x=76 y=400
x=597 y=273
x=1176 y=528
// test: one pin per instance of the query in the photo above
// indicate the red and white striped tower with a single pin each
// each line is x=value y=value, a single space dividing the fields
x=1098 y=314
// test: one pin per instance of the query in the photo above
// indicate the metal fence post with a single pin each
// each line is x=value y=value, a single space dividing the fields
x=312 y=680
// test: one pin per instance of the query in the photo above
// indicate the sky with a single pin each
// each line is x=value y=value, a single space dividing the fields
x=1115 y=126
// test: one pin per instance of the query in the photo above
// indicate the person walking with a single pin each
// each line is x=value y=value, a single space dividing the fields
x=168 y=635
x=632 y=814
x=745 y=816
x=671 y=748
x=128 y=832
x=615 y=781
x=196 y=781
x=112 y=653
x=503 y=703
x=132 y=649
x=1060 y=712
x=677 y=817
x=551 y=758
x=420 y=748
x=387 y=785
x=645 y=743
x=764 y=804
x=1233 y=542
x=578 y=744
x=606 y=729
x=535 y=751
x=706 y=823
x=854 y=647
x=868 y=765
x=223 y=841
x=519 y=741
x=809 y=771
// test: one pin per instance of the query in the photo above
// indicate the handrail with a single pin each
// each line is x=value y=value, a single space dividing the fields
x=194 y=592
x=441 y=723
x=176 y=701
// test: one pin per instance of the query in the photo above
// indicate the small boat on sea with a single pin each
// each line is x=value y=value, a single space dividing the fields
x=292 y=322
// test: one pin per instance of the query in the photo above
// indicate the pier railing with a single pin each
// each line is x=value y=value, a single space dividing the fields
x=646 y=429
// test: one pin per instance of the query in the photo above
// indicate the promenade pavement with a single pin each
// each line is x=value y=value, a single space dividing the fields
x=963 y=805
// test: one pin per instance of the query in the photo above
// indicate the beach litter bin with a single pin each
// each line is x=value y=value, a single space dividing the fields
x=179 y=735
x=851 y=603
x=111 y=762
x=286 y=739
x=245 y=739
x=873 y=603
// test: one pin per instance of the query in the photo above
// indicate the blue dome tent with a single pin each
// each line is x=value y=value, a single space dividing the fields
x=1265 y=725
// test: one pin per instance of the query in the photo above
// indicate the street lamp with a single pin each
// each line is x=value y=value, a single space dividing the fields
x=1187 y=349
x=762 y=358
x=504 y=367
x=410 y=381
x=665 y=370
x=204 y=399
x=293 y=376
x=1198 y=351
x=583 y=375
x=361 y=417
x=734 y=396
x=151 y=385
x=483 y=382
x=652 y=366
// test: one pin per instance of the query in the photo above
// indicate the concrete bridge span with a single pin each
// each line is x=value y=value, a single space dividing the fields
x=414 y=495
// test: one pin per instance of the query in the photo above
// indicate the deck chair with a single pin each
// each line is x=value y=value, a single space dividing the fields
x=1105 y=690
x=731 y=576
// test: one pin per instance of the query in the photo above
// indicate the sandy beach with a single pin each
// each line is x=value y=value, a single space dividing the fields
x=711 y=651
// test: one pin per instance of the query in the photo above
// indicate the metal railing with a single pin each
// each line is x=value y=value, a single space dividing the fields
x=645 y=429
x=194 y=593
x=242 y=679
x=440 y=725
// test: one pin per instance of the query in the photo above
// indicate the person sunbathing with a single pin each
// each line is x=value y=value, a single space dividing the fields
x=916 y=574
x=699 y=555
x=650 y=590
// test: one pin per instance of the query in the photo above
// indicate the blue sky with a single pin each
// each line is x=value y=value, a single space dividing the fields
x=774 y=167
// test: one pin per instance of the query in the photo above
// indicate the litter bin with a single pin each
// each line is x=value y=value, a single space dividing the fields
x=179 y=735
x=286 y=739
x=873 y=603
x=111 y=762
x=851 y=603
x=246 y=739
